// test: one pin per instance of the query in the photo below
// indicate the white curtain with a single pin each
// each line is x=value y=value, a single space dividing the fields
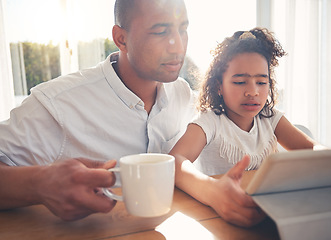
x=7 y=100
x=304 y=76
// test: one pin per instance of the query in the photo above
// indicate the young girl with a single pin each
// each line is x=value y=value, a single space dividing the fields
x=237 y=119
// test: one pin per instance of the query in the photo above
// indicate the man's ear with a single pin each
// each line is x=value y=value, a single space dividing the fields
x=119 y=37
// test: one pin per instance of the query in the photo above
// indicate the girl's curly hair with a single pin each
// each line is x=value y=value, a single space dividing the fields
x=262 y=42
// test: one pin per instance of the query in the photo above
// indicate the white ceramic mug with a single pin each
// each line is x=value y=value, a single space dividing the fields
x=147 y=183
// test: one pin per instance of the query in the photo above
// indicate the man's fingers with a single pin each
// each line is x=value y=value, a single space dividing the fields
x=95 y=178
x=95 y=173
x=97 y=164
x=73 y=195
x=84 y=202
x=109 y=164
x=99 y=203
x=103 y=204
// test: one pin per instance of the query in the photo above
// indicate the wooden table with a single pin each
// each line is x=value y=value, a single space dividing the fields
x=188 y=219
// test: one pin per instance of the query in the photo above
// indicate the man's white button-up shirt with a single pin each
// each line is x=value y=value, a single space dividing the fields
x=92 y=114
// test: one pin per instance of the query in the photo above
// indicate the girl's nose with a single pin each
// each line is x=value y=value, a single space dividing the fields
x=251 y=91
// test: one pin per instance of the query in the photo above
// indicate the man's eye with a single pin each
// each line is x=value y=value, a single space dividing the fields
x=159 y=33
x=239 y=83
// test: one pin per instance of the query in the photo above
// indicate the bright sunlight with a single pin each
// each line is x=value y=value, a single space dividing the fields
x=84 y=20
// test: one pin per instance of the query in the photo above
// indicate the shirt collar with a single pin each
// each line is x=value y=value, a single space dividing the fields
x=162 y=95
x=129 y=98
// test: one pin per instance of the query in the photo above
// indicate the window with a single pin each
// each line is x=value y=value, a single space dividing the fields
x=63 y=36
x=304 y=29
x=66 y=35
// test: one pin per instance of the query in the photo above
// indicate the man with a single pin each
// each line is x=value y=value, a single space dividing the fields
x=66 y=130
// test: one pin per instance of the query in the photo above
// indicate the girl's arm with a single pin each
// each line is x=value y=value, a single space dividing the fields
x=224 y=195
x=186 y=151
x=291 y=137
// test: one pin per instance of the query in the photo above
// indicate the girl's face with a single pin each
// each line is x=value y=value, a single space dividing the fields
x=245 y=88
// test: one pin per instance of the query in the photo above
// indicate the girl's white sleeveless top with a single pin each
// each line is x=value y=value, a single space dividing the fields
x=227 y=143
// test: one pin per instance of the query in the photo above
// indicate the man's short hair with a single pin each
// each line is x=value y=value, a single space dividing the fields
x=123 y=13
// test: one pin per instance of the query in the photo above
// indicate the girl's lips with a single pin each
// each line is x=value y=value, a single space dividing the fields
x=251 y=106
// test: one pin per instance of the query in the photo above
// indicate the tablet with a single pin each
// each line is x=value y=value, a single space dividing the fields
x=293 y=170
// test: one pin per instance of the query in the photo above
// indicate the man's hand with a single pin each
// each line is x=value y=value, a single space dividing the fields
x=71 y=189
x=231 y=202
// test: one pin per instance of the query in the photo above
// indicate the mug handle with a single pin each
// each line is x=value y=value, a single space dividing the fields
x=109 y=193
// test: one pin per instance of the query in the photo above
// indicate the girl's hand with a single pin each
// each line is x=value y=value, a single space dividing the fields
x=231 y=202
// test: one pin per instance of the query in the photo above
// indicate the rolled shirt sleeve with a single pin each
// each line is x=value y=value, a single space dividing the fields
x=32 y=135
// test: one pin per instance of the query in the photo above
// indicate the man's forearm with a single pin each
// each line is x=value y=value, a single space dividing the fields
x=18 y=186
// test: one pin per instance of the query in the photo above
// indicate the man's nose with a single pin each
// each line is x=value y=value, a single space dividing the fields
x=177 y=43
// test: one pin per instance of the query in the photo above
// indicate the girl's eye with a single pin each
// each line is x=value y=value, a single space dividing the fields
x=239 y=83
x=261 y=83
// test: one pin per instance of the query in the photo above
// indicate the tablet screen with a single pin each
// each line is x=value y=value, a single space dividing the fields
x=293 y=170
